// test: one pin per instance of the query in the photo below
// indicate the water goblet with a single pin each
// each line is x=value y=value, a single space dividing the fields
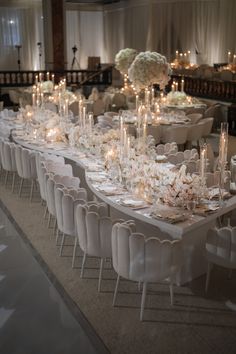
x=191 y=205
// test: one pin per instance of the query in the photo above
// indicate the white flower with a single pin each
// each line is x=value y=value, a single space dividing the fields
x=47 y=86
x=124 y=59
x=176 y=98
x=149 y=68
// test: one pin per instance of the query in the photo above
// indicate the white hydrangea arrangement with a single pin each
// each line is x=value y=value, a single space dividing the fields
x=149 y=68
x=124 y=59
x=64 y=95
x=47 y=87
x=176 y=98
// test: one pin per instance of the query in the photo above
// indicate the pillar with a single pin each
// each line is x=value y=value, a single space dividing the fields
x=54 y=34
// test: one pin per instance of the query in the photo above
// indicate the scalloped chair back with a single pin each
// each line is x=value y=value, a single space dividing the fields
x=144 y=260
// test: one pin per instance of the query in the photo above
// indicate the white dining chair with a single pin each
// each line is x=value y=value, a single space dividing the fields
x=39 y=158
x=194 y=117
x=119 y=101
x=172 y=158
x=207 y=125
x=67 y=181
x=194 y=134
x=144 y=260
x=177 y=134
x=220 y=249
x=58 y=168
x=155 y=132
x=65 y=213
x=94 y=234
x=8 y=160
x=98 y=107
x=166 y=149
x=26 y=167
x=191 y=154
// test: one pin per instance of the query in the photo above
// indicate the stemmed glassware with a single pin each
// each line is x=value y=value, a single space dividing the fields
x=191 y=205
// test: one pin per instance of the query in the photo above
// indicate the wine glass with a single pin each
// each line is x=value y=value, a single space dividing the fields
x=191 y=205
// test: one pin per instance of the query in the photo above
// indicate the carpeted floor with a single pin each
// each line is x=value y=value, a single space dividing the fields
x=195 y=324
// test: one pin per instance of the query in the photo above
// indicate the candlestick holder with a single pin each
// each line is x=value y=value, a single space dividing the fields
x=223 y=150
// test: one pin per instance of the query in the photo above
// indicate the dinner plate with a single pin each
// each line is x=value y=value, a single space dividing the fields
x=132 y=203
x=169 y=216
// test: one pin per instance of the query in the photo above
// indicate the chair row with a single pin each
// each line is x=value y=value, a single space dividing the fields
x=134 y=257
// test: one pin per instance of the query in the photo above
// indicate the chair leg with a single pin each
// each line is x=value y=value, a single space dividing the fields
x=45 y=211
x=100 y=275
x=6 y=177
x=171 y=294
x=62 y=243
x=116 y=290
x=21 y=185
x=49 y=220
x=209 y=267
x=13 y=182
x=82 y=267
x=74 y=252
x=139 y=286
x=31 y=190
x=58 y=234
x=143 y=300
x=54 y=226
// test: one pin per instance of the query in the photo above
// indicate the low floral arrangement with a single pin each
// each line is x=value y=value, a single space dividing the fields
x=149 y=68
x=64 y=95
x=124 y=59
x=177 y=98
x=47 y=87
x=179 y=187
x=155 y=181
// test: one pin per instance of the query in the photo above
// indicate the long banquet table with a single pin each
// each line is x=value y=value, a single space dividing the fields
x=191 y=231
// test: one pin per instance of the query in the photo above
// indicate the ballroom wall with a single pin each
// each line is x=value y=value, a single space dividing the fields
x=205 y=27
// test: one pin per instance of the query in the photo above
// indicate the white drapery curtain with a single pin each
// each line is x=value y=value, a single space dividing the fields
x=205 y=27
x=85 y=30
x=21 y=26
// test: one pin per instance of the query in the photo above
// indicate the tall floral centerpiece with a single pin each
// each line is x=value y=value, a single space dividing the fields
x=123 y=60
x=149 y=68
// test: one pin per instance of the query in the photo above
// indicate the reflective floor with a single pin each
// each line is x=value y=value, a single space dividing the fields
x=34 y=317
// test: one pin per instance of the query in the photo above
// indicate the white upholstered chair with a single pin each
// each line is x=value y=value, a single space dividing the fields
x=39 y=158
x=144 y=260
x=26 y=167
x=166 y=149
x=69 y=182
x=195 y=117
x=154 y=131
x=206 y=124
x=8 y=160
x=65 y=213
x=119 y=101
x=195 y=132
x=94 y=234
x=220 y=249
x=177 y=134
x=58 y=168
